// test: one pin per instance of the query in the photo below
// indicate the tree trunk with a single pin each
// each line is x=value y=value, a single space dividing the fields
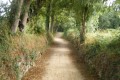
x=25 y=12
x=82 y=30
x=17 y=15
x=52 y=22
x=48 y=16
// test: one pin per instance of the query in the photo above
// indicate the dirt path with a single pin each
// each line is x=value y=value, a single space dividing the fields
x=59 y=63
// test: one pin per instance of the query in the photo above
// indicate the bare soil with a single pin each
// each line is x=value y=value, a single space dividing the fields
x=60 y=62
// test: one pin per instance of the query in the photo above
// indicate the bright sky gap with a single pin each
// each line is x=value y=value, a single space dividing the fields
x=109 y=2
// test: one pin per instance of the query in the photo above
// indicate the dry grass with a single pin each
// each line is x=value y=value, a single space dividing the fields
x=29 y=42
x=23 y=50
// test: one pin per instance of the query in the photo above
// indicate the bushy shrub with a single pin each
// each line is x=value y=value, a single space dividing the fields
x=36 y=25
x=101 y=53
x=114 y=46
x=109 y=20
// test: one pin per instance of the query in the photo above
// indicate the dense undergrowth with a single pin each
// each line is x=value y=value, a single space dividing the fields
x=18 y=52
x=100 y=51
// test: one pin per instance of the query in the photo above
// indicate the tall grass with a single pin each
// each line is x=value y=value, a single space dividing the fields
x=18 y=52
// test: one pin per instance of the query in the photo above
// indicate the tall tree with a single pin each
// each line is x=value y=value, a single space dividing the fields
x=18 y=6
x=52 y=21
x=52 y=16
x=85 y=9
x=57 y=7
x=48 y=7
x=26 y=7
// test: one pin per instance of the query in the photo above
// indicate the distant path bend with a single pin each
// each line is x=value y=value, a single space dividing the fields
x=59 y=63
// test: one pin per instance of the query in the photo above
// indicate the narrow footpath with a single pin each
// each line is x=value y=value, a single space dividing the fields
x=60 y=62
